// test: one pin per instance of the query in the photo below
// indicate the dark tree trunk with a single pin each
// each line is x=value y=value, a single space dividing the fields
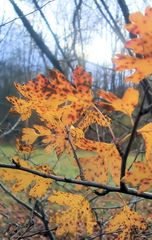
x=38 y=40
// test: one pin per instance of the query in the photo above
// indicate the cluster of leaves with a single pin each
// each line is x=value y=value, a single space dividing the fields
x=66 y=110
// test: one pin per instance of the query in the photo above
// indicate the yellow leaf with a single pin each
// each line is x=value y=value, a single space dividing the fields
x=127 y=221
x=126 y=104
x=78 y=219
x=93 y=116
x=107 y=159
x=141 y=26
x=146 y=133
x=21 y=179
x=29 y=135
x=142 y=67
x=21 y=106
x=23 y=147
x=141 y=175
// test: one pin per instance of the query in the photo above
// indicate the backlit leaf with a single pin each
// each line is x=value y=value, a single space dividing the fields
x=126 y=104
x=78 y=219
x=142 y=67
x=23 y=147
x=24 y=108
x=93 y=116
x=141 y=26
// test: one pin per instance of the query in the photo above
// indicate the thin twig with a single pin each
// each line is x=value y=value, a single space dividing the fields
x=76 y=157
x=124 y=160
x=19 y=201
x=11 y=129
x=16 y=18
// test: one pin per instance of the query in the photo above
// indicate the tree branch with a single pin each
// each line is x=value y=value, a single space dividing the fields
x=36 y=37
x=16 y=18
x=125 y=156
x=76 y=157
x=53 y=34
x=11 y=129
x=130 y=191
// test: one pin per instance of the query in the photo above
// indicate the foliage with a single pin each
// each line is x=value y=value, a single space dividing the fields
x=66 y=111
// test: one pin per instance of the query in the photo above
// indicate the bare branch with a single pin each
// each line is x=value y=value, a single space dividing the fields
x=125 y=156
x=53 y=34
x=36 y=37
x=14 y=19
x=76 y=157
x=129 y=191
x=11 y=129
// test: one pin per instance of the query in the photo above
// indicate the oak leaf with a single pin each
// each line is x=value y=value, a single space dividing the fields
x=78 y=219
x=127 y=222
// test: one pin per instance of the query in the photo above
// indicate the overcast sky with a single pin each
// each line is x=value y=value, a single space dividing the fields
x=7 y=13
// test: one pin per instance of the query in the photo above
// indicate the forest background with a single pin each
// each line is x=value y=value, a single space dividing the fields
x=38 y=35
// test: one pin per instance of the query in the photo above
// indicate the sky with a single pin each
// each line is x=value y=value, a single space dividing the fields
x=97 y=51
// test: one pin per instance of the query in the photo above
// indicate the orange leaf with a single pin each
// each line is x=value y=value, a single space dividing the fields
x=23 y=147
x=127 y=221
x=21 y=179
x=140 y=175
x=78 y=219
x=106 y=161
x=21 y=106
x=126 y=104
x=142 y=67
x=146 y=133
x=142 y=27
x=93 y=116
